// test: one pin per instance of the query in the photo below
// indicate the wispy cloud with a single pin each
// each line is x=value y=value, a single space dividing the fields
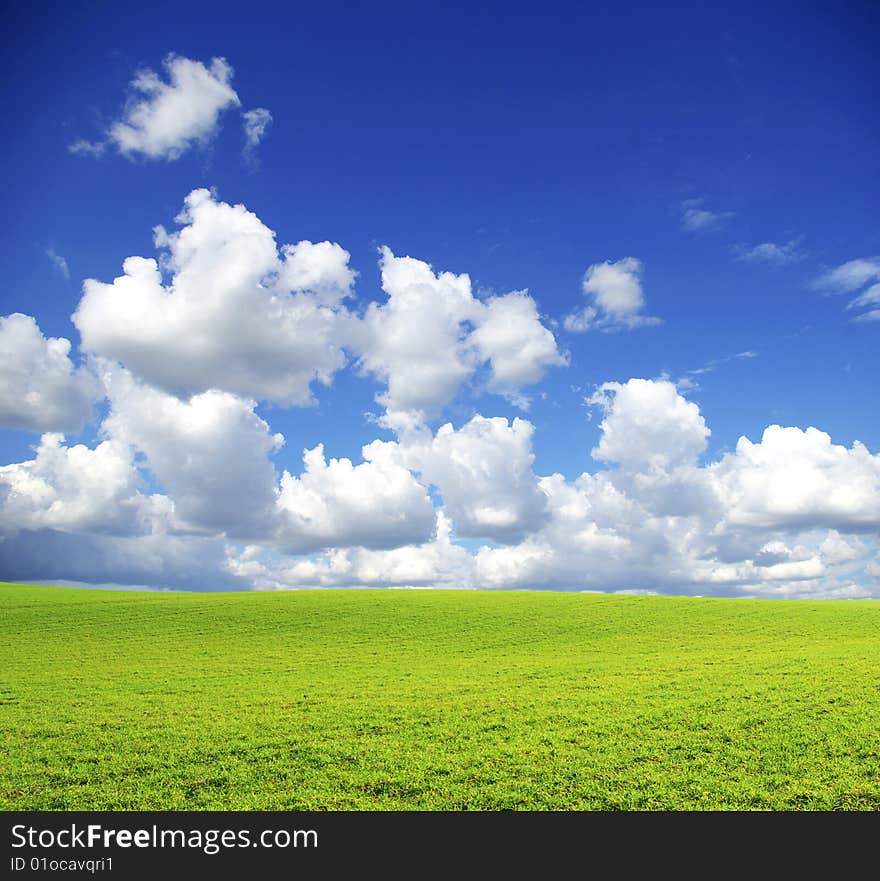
x=255 y=123
x=873 y=315
x=869 y=297
x=695 y=217
x=849 y=276
x=688 y=381
x=87 y=148
x=852 y=276
x=771 y=252
x=58 y=262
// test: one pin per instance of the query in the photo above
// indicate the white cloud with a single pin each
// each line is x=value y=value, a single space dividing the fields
x=851 y=276
x=415 y=342
x=617 y=298
x=581 y=320
x=837 y=548
x=767 y=523
x=510 y=336
x=238 y=315
x=165 y=118
x=211 y=453
x=437 y=563
x=770 y=252
x=870 y=298
x=235 y=315
x=597 y=538
x=616 y=286
x=484 y=474
x=40 y=389
x=377 y=504
x=255 y=123
x=695 y=217
x=648 y=425
x=225 y=318
x=799 y=479
x=793 y=515
x=431 y=335
x=77 y=489
x=321 y=268
x=59 y=263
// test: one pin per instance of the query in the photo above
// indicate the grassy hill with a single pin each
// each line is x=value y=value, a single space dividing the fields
x=435 y=700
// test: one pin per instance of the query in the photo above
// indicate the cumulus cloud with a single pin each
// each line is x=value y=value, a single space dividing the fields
x=770 y=253
x=255 y=123
x=236 y=315
x=320 y=268
x=181 y=487
x=695 y=217
x=75 y=489
x=617 y=301
x=795 y=478
x=437 y=563
x=797 y=517
x=578 y=549
x=210 y=452
x=510 y=336
x=456 y=333
x=483 y=472
x=791 y=515
x=863 y=273
x=213 y=455
x=837 y=548
x=224 y=308
x=40 y=389
x=376 y=504
x=166 y=117
x=648 y=425
x=150 y=561
x=422 y=370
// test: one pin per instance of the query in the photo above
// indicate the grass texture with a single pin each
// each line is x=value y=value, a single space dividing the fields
x=449 y=700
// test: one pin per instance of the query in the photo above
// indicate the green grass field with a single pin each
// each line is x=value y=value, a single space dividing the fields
x=435 y=700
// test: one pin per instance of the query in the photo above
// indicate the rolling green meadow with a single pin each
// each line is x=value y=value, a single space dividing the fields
x=435 y=700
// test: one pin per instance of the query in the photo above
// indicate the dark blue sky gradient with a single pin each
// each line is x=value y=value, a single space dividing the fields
x=519 y=144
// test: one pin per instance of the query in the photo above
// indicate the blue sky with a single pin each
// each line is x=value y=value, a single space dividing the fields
x=730 y=150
